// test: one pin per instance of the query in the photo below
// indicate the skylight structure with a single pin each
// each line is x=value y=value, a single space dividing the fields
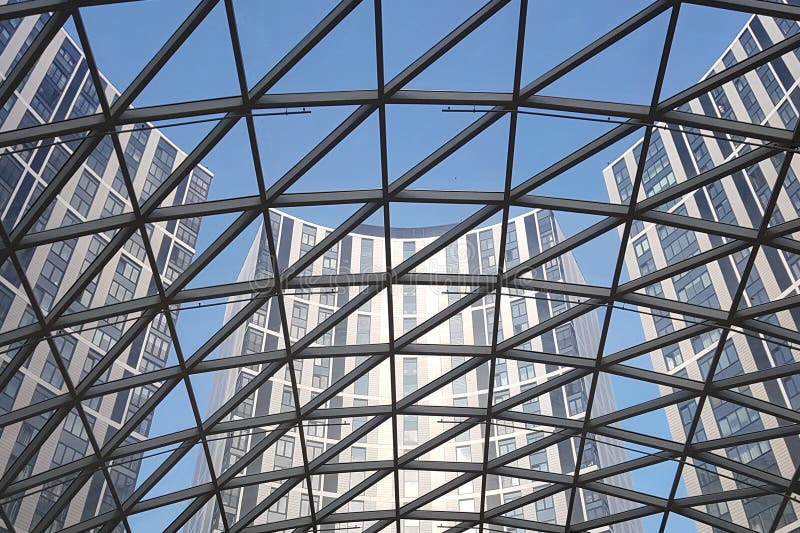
x=476 y=146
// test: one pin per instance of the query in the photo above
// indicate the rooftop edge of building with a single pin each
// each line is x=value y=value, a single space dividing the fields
x=405 y=232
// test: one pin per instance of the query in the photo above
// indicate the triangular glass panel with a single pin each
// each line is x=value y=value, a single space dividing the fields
x=186 y=473
x=603 y=77
x=465 y=381
x=99 y=498
x=163 y=417
x=360 y=454
x=676 y=523
x=227 y=248
x=661 y=423
x=343 y=60
x=42 y=500
x=250 y=326
x=372 y=388
x=208 y=517
x=70 y=442
x=124 y=278
x=429 y=445
x=594 y=505
x=695 y=49
x=628 y=393
x=89 y=193
x=112 y=29
x=60 y=67
x=285 y=150
x=155 y=519
x=409 y=146
x=490 y=50
x=554 y=31
x=225 y=171
x=267 y=32
x=464 y=496
x=379 y=496
x=479 y=165
x=411 y=29
x=353 y=163
x=98 y=339
x=180 y=80
x=15 y=305
x=650 y=479
x=551 y=172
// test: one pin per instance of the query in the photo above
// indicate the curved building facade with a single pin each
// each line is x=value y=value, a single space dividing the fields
x=440 y=380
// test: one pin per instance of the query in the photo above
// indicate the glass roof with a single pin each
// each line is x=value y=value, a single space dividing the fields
x=419 y=266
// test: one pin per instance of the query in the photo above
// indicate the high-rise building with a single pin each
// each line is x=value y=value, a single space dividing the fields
x=766 y=96
x=347 y=395
x=60 y=87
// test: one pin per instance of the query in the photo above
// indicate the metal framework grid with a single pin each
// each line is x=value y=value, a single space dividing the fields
x=249 y=209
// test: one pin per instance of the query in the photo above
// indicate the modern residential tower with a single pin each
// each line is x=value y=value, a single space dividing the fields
x=349 y=368
x=58 y=88
x=767 y=96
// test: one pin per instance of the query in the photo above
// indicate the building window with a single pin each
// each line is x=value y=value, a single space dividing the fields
x=488 y=260
x=720 y=203
x=500 y=373
x=55 y=81
x=505 y=446
x=113 y=206
x=299 y=320
x=409 y=247
x=85 y=193
x=728 y=365
x=363 y=325
x=327 y=337
x=366 y=255
x=596 y=505
x=788 y=115
x=409 y=375
x=526 y=370
x=742 y=86
x=123 y=285
x=519 y=316
x=409 y=299
x=657 y=174
x=410 y=483
x=770 y=82
x=576 y=397
x=463 y=454
x=287 y=399
x=284 y=448
x=456 y=326
x=308 y=237
x=545 y=510
x=532 y=406
x=512 y=250
x=623 y=179
x=672 y=357
x=320 y=374
x=567 y=343
x=410 y=430
x=253 y=341
x=748 y=43
x=644 y=256
x=734 y=419
x=330 y=260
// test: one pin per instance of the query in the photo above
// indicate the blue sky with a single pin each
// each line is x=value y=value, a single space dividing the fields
x=125 y=36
